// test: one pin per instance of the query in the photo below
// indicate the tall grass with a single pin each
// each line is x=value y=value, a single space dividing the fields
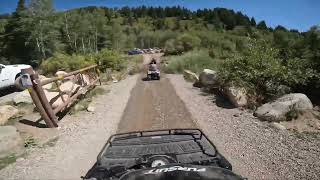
x=195 y=61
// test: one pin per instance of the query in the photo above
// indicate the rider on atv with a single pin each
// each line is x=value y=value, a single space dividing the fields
x=153 y=71
x=153 y=65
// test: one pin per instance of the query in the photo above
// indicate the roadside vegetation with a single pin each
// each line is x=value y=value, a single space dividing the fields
x=104 y=58
x=195 y=61
x=259 y=66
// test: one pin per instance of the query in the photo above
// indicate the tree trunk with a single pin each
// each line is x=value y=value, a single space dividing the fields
x=96 y=41
x=67 y=29
x=38 y=44
x=75 y=43
x=89 y=45
x=42 y=46
x=83 y=47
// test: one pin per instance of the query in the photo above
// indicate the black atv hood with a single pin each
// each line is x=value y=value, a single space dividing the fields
x=181 y=172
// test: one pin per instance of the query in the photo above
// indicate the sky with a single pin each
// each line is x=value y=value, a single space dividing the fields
x=292 y=14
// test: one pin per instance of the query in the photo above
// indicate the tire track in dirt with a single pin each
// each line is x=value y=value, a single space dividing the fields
x=154 y=105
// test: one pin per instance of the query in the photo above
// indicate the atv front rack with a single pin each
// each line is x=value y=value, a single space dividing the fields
x=185 y=145
x=138 y=150
x=195 y=133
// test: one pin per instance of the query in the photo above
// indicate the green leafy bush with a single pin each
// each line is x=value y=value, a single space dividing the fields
x=259 y=71
x=171 y=47
x=110 y=59
x=183 y=43
x=195 y=61
x=263 y=73
x=134 y=64
x=65 y=62
x=188 y=42
x=105 y=59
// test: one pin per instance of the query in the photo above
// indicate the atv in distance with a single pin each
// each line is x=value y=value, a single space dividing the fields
x=161 y=155
x=153 y=71
x=153 y=75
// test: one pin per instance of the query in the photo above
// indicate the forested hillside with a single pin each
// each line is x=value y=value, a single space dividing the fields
x=248 y=53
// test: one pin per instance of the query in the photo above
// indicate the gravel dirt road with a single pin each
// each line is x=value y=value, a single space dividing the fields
x=256 y=150
x=154 y=105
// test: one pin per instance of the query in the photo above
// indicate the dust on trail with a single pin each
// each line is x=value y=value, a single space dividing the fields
x=154 y=105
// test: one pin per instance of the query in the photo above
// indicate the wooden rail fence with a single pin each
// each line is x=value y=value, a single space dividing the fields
x=85 y=79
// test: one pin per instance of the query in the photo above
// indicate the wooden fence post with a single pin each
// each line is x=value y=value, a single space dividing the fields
x=98 y=74
x=43 y=99
x=37 y=101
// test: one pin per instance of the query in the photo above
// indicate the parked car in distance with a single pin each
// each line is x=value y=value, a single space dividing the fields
x=135 y=51
x=9 y=74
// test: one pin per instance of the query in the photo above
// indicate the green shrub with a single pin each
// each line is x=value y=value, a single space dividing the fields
x=65 y=62
x=260 y=71
x=110 y=59
x=105 y=59
x=183 y=43
x=188 y=42
x=263 y=73
x=134 y=64
x=171 y=47
x=195 y=61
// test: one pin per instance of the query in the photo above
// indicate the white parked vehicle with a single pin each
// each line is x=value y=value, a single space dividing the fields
x=9 y=74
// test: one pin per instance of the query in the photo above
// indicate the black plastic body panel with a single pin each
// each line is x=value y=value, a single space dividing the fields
x=185 y=146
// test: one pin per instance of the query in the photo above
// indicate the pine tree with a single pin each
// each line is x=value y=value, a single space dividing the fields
x=20 y=7
x=253 y=22
x=15 y=36
x=262 y=25
x=280 y=28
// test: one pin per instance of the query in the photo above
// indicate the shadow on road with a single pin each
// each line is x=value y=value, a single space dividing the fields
x=4 y=92
x=218 y=98
x=33 y=123
x=223 y=102
x=145 y=79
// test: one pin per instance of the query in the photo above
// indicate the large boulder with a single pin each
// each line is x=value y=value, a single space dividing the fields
x=50 y=95
x=237 y=96
x=208 y=78
x=86 y=80
x=82 y=79
x=22 y=97
x=282 y=108
x=61 y=73
x=47 y=86
x=190 y=75
x=91 y=107
x=10 y=141
x=69 y=86
x=7 y=112
x=55 y=99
